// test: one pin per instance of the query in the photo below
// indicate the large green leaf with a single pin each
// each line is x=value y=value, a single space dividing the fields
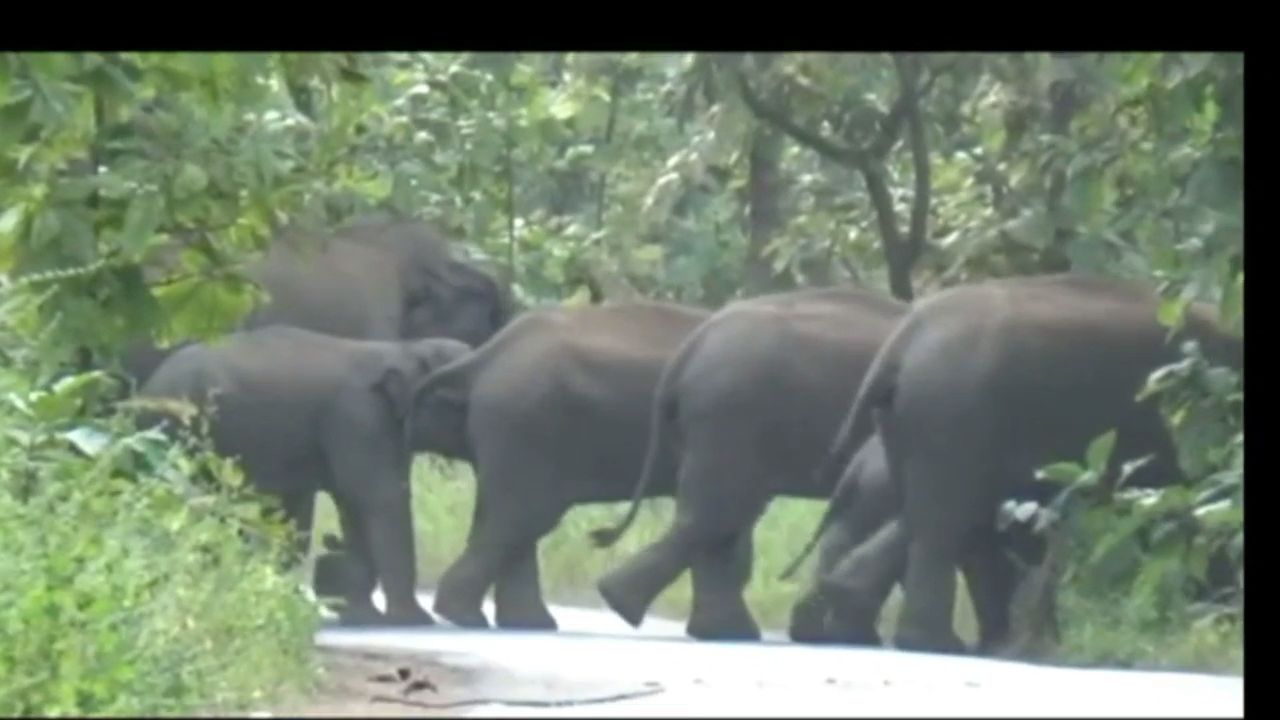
x=144 y=215
x=1099 y=452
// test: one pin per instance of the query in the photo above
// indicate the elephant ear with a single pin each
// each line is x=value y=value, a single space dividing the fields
x=396 y=389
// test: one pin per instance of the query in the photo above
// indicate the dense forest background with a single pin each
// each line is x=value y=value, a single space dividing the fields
x=134 y=185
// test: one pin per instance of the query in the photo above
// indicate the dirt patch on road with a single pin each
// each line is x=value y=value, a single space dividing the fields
x=359 y=683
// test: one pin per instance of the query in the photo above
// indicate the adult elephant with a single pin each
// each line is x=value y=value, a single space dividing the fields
x=748 y=403
x=551 y=413
x=372 y=280
x=982 y=384
x=304 y=412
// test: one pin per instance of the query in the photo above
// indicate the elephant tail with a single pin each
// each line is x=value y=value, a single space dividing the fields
x=877 y=391
x=448 y=390
x=449 y=384
x=663 y=410
x=843 y=497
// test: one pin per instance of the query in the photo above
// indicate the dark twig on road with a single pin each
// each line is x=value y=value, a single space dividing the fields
x=518 y=703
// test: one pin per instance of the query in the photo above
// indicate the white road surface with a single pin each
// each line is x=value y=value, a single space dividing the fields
x=656 y=671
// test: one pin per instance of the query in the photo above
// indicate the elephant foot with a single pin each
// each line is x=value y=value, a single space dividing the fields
x=360 y=615
x=808 y=620
x=466 y=616
x=621 y=601
x=944 y=641
x=340 y=574
x=526 y=619
x=415 y=616
x=842 y=631
x=717 y=617
x=719 y=629
x=850 y=618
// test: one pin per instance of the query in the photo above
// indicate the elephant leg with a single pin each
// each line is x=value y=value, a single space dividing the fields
x=809 y=618
x=809 y=614
x=990 y=577
x=503 y=527
x=373 y=493
x=711 y=509
x=858 y=585
x=942 y=509
x=951 y=486
x=720 y=577
x=299 y=511
x=461 y=606
x=929 y=598
x=360 y=579
x=388 y=525
x=517 y=595
x=290 y=495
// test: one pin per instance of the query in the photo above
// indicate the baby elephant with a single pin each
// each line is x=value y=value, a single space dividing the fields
x=862 y=554
x=305 y=412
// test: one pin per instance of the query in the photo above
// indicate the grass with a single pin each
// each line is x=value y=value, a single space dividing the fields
x=1110 y=631
x=1096 y=630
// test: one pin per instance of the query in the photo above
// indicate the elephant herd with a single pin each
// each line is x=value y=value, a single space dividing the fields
x=915 y=420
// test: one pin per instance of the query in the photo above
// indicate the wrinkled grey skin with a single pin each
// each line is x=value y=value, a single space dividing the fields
x=375 y=280
x=747 y=406
x=307 y=412
x=981 y=385
x=551 y=412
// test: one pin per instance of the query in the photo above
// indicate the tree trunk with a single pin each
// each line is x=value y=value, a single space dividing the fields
x=1064 y=103
x=764 y=195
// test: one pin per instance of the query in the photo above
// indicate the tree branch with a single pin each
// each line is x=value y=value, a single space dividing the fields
x=912 y=90
x=854 y=275
x=509 y=174
x=919 y=227
x=890 y=129
x=890 y=236
x=615 y=89
x=900 y=254
x=829 y=149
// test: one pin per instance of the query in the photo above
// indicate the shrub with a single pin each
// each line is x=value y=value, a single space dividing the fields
x=125 y=588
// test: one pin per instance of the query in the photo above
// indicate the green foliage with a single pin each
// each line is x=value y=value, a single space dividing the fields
x=1158 y=546
x=1110 y=629
x=127 y=588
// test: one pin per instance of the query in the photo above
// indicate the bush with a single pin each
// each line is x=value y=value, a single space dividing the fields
x=1156 y=576
x=125 y=588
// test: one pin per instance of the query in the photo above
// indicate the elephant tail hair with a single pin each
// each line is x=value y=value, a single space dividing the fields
x=663 y=410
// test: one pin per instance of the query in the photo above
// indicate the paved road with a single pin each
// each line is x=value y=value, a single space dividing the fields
x=606 y=668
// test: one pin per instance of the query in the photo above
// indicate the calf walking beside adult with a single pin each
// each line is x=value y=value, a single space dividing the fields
x=983 y=384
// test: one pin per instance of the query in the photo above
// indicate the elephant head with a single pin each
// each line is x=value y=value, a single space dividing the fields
x=441 y=296
x=454 y=299
x=401 y=381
